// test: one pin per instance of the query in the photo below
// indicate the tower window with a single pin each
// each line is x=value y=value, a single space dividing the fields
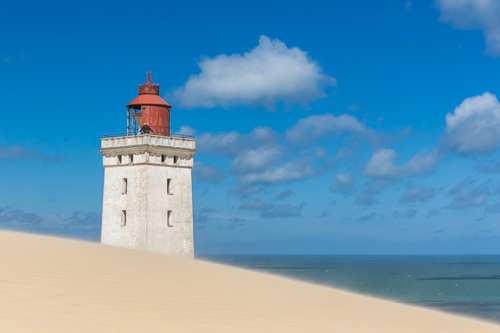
x=124 y=218
x=131 y=158
x=124 y=186
x=162 y=158
x=169 y=219
x=119 y=159
x=169 y=182
x=176 y=159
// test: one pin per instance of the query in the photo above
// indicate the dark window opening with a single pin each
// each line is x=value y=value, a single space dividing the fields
x=169 y=219
x=124 y=218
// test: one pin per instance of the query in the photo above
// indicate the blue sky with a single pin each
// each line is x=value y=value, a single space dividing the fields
x=322 y=127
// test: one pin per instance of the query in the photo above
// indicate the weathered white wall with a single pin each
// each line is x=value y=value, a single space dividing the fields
x=147 y=201
x=133 y=235
x=177 y=239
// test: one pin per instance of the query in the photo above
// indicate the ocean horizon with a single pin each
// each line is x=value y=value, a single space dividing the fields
x=460 y=284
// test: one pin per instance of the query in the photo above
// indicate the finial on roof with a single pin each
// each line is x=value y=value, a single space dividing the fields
x=149 y=81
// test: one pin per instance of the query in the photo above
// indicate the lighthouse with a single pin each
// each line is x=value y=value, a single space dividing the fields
x=147 y=199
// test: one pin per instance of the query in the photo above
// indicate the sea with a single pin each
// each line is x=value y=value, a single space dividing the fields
x=461 y=284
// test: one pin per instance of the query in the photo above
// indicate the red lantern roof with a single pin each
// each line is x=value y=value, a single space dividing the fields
x=149 y=94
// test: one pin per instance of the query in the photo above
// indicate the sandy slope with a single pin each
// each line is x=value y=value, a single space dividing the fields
x=57 y=285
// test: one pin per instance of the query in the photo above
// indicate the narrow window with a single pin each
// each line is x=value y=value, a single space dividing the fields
x=124 y=218
x=162 y=158
x=169 y=219
x=169 y=182
x=124 y=186
x=131 y=158
x=176 y=158
x=119 y=159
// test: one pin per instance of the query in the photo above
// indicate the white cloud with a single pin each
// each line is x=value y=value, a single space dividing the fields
x=81 y=225
x=474 y=14
x=202 y=216
x=249 y=182
x=344 y=183
x=285 y=210
x=474 y=126
x=222 y=143
x=312 y=128
x=418 y=193
x=20 y=153
x=495 y=208
x=381 y=164
x=259 y=159
x=256 y=160
x=269 y=211
x=355 y=107
x=268 y=74
x=373 y=188
x=188 y=130
x=256 y=204
x=408 y=5
x=207 y=173
x=411 y=213
x=465 y=196
x=464 y=183
x=488 y=167
x=291 y=171
x=285 y=194
x=233 y=143
x=244 y=190
x=369 y=217
x=18 y=217
x=434 y=212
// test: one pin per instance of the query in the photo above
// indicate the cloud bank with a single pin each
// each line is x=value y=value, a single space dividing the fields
x=80 y=225
x=265 y=157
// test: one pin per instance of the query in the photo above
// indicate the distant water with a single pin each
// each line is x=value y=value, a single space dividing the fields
x=468 y=285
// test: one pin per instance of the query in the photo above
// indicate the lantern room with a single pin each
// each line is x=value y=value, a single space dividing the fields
x=149 y=108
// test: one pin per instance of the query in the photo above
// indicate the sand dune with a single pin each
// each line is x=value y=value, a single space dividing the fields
x=58 y=285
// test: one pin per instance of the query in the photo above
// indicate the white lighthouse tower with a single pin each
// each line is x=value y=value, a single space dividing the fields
x=147 y=202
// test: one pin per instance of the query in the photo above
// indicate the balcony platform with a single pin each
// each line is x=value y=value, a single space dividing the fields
x=187 y=142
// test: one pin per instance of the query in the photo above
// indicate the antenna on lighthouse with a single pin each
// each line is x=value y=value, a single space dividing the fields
x=149 y=80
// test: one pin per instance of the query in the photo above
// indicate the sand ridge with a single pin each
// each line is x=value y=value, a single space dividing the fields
x=49 y=284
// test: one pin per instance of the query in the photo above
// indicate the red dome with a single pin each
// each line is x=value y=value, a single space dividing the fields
x=148 y=95
x=147 y=99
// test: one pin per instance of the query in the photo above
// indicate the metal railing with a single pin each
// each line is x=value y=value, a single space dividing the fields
x=172 y=135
